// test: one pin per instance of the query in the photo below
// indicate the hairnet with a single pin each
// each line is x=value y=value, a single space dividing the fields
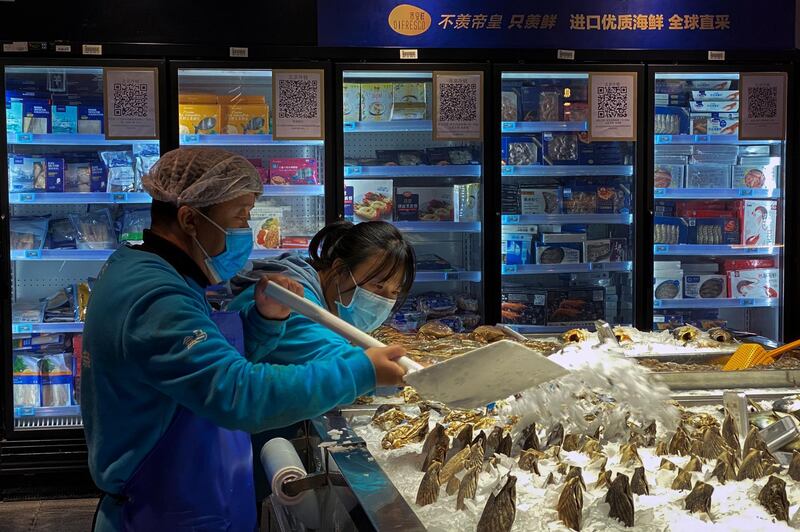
x=199 y=177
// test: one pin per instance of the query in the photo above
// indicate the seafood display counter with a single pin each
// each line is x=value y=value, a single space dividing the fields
x=606 y=448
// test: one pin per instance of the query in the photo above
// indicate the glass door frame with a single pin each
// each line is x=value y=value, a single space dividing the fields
x=6 y=388
x=640 y=229
x=490 y=225
x=789 y=329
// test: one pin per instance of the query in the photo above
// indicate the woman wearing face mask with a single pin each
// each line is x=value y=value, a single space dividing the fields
x=358 y=272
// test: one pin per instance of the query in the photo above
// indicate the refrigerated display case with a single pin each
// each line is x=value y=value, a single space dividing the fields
x=231 y=107
x=718 y=208
x=568 y=206
x=74 y=195
x=393 y=169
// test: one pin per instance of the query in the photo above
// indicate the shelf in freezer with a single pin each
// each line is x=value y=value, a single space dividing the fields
x=272 y=253
x=541 y=329
x=68 y=139
x=47 y=411
x=61 y=254
x=716 y=193
x=567 y=170
x=439 y=227
x=716 y=251
x=526 y=219
x=716 y=303
x=529 y=269
x=433 y=276
x=387 y=127
x=709 y=139
x=449 y=170
x=77 y=198
x=27 y=328
x=294 y=190
x=539 y=127
x=243 y=140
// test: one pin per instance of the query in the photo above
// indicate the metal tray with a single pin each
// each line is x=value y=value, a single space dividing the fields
x=716 y=380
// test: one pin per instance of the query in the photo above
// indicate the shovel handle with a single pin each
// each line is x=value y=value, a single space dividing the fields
x=770 y=356
x=334 y=323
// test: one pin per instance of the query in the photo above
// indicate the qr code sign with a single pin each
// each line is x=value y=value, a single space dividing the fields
x=130 y=99
x=298 y=98
x=458 y=102
x=612 y=101
x=762 y=102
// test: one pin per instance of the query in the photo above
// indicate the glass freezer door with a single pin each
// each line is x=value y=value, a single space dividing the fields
x=395 y=171
x=567 y=209
x=74 y=197
x=718 y=210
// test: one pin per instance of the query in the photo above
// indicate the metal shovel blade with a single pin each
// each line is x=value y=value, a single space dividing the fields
x=484 y=375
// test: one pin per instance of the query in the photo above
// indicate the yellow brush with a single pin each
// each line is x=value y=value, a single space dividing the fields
x=749 y=355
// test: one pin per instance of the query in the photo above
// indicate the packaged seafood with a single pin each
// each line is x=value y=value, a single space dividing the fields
x=65 y=119
x=293 y=171
x=199 y=119
x=517 y=248
x=13 y=112
x=436 y=304
x=466 y=202
x=714 y=123
x=376 y=102
x=580 y=199
x=36 y=115
x=575 y=306
x=762 y=283
x=26 y=381
x=428 y=204
x=751 y=176
x=351 y=102
x=372 y=199
x=95 y=230
x=669 y=175
x=708 y=176
x=715 y=95
x=540 y=200
x=28 y=232
x=54 y=176
x=413 y=92
x=242 y=118
x=524 y=307
x=729 y=106
x=564 y=253
x=759 y=218
x=713 y=231
x=520 y=150
x=265 y=222
x=509 y=106
x=56 y=380
x=91 y=120
x=119 y=171
x=705 y=286
x=668 y=285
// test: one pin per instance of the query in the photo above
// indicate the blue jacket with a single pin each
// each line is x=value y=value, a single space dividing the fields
x=150 y=344
x=304 y=340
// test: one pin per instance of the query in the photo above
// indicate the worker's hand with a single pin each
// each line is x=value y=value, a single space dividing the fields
x=270 y=308
x=387 y=371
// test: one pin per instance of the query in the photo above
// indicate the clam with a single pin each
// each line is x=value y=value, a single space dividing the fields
x=794 y=467
x=662 y=448
x=464 y=439
x=475 y=456
x=666 y=464
x=699 y=500
x=428 y=491
x=696 y=448
x=572 y=442
x=701 y=420
x=603 y=479
x=413 y=431
x=599 y=460
x=686 y=334
x=683 y=481
x=650 y=435
x=555 y=436
x=724 y=470
x=480 y=438
x=468 y=487
x=752 y=441
x=639 y=484
x=435 y=447
x=452 y=485
x=636 y=439
x=591 y=446
x=752 y=466
x=505 y=445
x=553 y=452
x=575 y=335
x=531 y=440
x=455 y=464
x=500 y=510
x=562 y=468
x=729 y=432
x=575 y=472
x=680 y=443
x=598 y=434
x=529 y=462
x=773 y=498
x=570 y=504
x=493 y=442
x=694 y=464
x=629 y=455
x=387 y=417
x=721 y=335
x=623 y=334
x=620 y=499
x=550 y=480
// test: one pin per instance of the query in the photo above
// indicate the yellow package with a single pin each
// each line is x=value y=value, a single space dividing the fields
x=352 y=102
x=202 y=119
x=197 y=98
x=242 y=99
x=245 y=119
x=409 y=92
x=376 y=102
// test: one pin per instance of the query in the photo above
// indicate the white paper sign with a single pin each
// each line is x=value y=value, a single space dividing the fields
x=131 y=103
x=762 y=106
x=612 y=106
x=458 y=105
x=298 y=103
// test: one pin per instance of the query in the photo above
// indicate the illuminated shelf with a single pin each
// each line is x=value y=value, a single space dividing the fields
x=77 y=198
x=47 y=411
x=68 y=139
x=567 y=170
x=420 y=170
x=529 y=269
x=294 y=190
x=243 y=140
x=539 y=127
x=709 y=139
x=716 y=303
x=525 y=219
x=434 y=276
x=715 y=251
x=26 y=328
x=439 y=227
x=716 y=193
x=545 y=329
x=388 y=126
x=61 y=254
x=272 y=253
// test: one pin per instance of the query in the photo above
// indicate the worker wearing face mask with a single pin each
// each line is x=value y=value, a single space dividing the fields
x=170 y=387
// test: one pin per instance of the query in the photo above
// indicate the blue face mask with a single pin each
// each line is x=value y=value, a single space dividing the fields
x=238 y=245
x=366 y=310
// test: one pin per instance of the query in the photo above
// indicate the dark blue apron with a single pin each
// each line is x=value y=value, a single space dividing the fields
x=199 y=476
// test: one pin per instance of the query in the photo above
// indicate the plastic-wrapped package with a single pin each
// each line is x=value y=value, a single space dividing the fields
x=56 y=380
x=453 y=321
x=27 y=312
x=60 y=307
x=95 y=230
x=145 y=155
x=119 y=170
x=29 y=232
x=27 y=378
x=134 y=222
x=467 y=303
x=82 y=303
x=436 y=304
x=470 y=320
x=77 y=356
x=61 y=234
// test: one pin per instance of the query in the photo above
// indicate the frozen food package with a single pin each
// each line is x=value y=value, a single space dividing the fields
x=56 y=380
x=265 y=221
x=54 y=176
x=705 y=286
x=28 y=232
x=466 y=202
x=467 y=303
x=436 y=304
x=62 y=234
x=562 y=147
x=199 y=119
x=708 y=176
x=546 y=200
x=120 y=174
x=84 y=177
x=372 y=199
x=95 y=230
x=25 y=172
x=90 y=118
x=758 y=218
x=376 y=102
x=77 y=357
x=65 y=119
x=761 y=283
x=669 y=175
x=755 y=176
x=84 y=291
x=293 y=171
x=36 y=116
x=580 y=199
x=13 y=112
x=134 y=222
x=244 y=118
x=527 y=307
x=469 y=320
x=60 y=307
x=351 y=99
x=145 y=154
x=520 y=151
x=509 y=109
x=549 y=106
x=27 y=379
x=453 y=321
x=27 y=311
x=407 y=319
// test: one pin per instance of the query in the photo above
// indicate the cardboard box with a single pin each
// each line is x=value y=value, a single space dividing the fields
x=715 y=95
x=90 y=119
x=293 y=171
x=714 y=231
x=758 y=219
x=755 y=176
x=579 y=307
x=376 y=102
x=13 y=112
x=467 y=202
x=708 y=176
x=605 y=250
x=563 y=253
x=372 y=199
x=65 y=119
x=524 y=307
x=560 y=238
x=245 y=119
x=714 y=107
x=762 y=283
x=540 y=200
x=199 y=119
x=714 y=123
x=265 y=221
x=705 y=286
x=428 y=204
x=409 y=92
x=54 y=175
x=668 y=284
x=509 y=106
x=517 y=248
x=36 y=116
x=352 y=102
x=669 y=175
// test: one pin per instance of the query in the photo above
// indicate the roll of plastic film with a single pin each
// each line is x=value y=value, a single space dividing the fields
x=281 y=464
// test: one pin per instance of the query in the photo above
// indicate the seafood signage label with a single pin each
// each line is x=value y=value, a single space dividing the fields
x=131 y=102
x=762 y=112
x=566 y=24
x=297 y=97
x=612 y=106
x=457 y=105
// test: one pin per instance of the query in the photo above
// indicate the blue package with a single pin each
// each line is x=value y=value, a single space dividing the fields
x=407 y=206
x=613 y=199
x=90 y=119
x=13 y=112
x=65 y=119
x=99 y=175
x=714 y=231
x=580 y=199
x=670 y=230
x=54 y=175
x=36 y=116
x=20 y=173
x=145 y=155
x=520 y=150
x=518 y=248
x=348 y=203
x=120 y=174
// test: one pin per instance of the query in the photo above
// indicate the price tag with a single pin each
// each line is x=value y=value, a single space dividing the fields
x=509 y=125
x=27 y=198
x=190 y=139
x=33 y=253
x=349 y=126
x=664 y=139
x=92 y=49
x=16 y=46
x=238 y=51
x=745 y=192
x=21 y=328
x=660 y=249
x=119 y=197
x=409 y=53
x=510 y=218
x=660 y=192
x=716 y=55
x=509 y=268
x=24 y=138
x=23 y=411
x=657 y=303
x=63 y=48
x=507 y=170
x=352 y=170
x=747 y=302
x=566 y=55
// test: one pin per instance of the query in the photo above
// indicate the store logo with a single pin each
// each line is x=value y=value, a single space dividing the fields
x=409 y=20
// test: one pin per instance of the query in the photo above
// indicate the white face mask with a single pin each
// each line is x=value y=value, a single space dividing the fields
x=367 y=310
